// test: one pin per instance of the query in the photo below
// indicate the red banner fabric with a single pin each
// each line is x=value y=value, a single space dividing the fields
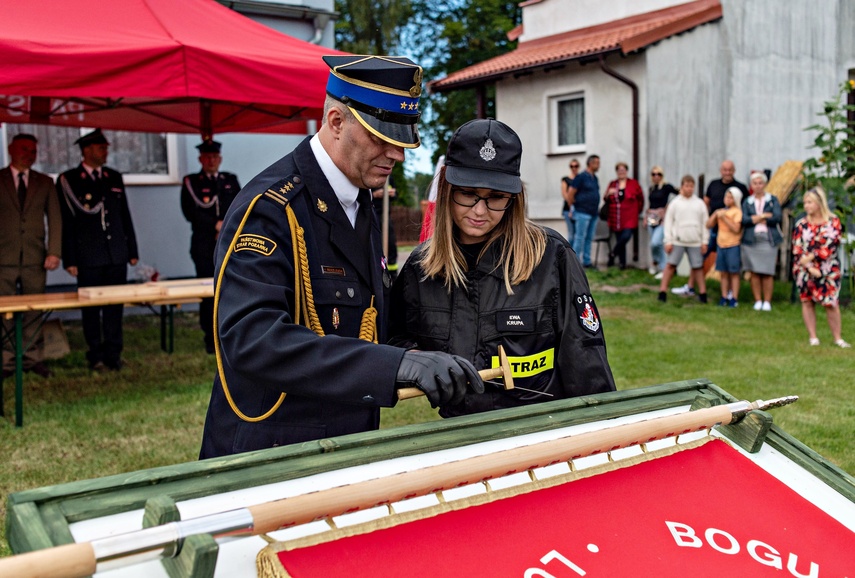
x=705 y=512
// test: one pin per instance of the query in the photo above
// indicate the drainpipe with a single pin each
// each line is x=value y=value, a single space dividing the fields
x=634 y=88
x=320 y=21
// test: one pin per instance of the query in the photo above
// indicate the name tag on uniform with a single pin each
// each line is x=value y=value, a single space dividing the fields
x=518 y=321
x=327 y=270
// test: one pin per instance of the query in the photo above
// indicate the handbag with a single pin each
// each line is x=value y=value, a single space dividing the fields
x=604 y=212
x=653 y=218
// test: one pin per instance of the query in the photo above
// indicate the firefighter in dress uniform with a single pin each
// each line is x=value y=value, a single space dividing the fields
x=300 y=284
x=205 y=198
x=98 y=242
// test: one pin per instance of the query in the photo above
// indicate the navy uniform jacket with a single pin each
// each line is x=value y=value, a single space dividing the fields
x=96 y=223
x=550 y=327
x=204 y=203
x=335 y=384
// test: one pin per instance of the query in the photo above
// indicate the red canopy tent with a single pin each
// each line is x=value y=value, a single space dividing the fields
x=191 y=66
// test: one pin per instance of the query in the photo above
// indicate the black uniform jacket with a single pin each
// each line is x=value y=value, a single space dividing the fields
x=203 y=203
x=550 y=327
x=97 y=229
x=334 y=384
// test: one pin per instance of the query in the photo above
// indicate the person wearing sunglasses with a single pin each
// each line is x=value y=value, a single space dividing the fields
x=490 y=277
x=659 y=194
x=567 y=209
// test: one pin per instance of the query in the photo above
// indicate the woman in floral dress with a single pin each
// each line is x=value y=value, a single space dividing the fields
x=815 y=264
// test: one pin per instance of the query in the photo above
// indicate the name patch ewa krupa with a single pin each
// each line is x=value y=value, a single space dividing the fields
x=255 y=243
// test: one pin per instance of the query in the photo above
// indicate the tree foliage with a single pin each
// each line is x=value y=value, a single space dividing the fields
x=371 y=26
x=834 y=169
x=446 y=36
x=442 y=36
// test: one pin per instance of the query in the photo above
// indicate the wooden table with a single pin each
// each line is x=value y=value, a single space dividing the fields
x=166 y=294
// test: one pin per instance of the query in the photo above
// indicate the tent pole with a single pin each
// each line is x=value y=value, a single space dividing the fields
x=205 y=122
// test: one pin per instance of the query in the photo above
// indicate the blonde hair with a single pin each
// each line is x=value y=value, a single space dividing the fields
x=522 y=243
x=819 y=193
x=661 y=171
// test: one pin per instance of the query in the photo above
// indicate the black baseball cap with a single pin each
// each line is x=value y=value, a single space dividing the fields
x=382 y=92
x=484 y=153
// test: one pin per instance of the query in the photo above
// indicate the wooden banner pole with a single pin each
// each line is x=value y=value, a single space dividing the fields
x=80 y=560
x=503 y=371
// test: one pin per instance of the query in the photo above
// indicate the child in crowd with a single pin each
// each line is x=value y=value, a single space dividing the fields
x=728 y=262
x=686 y=233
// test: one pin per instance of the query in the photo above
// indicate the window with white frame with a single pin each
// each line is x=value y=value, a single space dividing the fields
x=567 y=122
x=142 y=158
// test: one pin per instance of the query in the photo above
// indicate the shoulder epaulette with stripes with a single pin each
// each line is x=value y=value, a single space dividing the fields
x=284 y=190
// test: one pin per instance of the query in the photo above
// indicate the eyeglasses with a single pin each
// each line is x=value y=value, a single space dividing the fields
x=574 y=166
x=655 y=174
x=494 y=201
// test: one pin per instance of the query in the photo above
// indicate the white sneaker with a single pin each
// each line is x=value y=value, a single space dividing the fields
x=685 y=291
x=658 y=275
x=652 y=270
x=767 y=306
x=813 y=341
x=758 y=305
x=842 y=344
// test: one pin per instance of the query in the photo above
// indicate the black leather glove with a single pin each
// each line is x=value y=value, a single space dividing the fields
x=444 y=378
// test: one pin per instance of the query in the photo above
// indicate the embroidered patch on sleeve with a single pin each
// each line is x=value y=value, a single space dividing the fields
x=587 y=314
x=255 y=243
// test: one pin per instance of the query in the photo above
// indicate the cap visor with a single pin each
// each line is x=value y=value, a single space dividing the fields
x=402 y=135
x=482 y=179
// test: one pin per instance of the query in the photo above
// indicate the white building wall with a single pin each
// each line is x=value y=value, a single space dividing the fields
x=742 y=88
x=555 y=16
x=524 y=105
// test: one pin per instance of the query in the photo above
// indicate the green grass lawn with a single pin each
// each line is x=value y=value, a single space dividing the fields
x=79 y=425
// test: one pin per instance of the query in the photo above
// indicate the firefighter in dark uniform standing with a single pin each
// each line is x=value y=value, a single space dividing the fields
x=205 y=198
x=301 y=290
x=98 y=242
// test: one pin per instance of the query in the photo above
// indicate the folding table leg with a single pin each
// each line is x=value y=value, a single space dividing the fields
x=167 y=328
x=19 y=369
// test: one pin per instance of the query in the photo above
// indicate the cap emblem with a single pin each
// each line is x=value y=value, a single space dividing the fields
x=487 y=151
x=416 y=89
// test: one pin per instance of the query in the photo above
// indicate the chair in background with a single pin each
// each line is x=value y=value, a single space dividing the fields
x=602 y=235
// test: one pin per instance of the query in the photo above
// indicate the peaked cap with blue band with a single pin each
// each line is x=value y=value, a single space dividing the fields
x=382 y=92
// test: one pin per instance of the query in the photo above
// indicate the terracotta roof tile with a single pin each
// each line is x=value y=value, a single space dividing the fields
x=625 y=35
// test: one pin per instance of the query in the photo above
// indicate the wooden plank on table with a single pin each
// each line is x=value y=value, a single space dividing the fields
x=111 y=291
x=183 y=282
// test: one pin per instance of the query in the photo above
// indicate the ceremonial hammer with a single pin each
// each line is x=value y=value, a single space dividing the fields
x=503 y=371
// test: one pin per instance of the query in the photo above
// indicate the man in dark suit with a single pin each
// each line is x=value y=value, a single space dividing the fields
x=301 y=285
x=98 y=242
x=205 y=198
x=26 y=198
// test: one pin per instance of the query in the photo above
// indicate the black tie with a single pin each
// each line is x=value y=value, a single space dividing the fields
x=22 y=190
x=96 y=174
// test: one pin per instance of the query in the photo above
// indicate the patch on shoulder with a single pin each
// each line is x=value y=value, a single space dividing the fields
x=255 y=243
x=587 y=313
